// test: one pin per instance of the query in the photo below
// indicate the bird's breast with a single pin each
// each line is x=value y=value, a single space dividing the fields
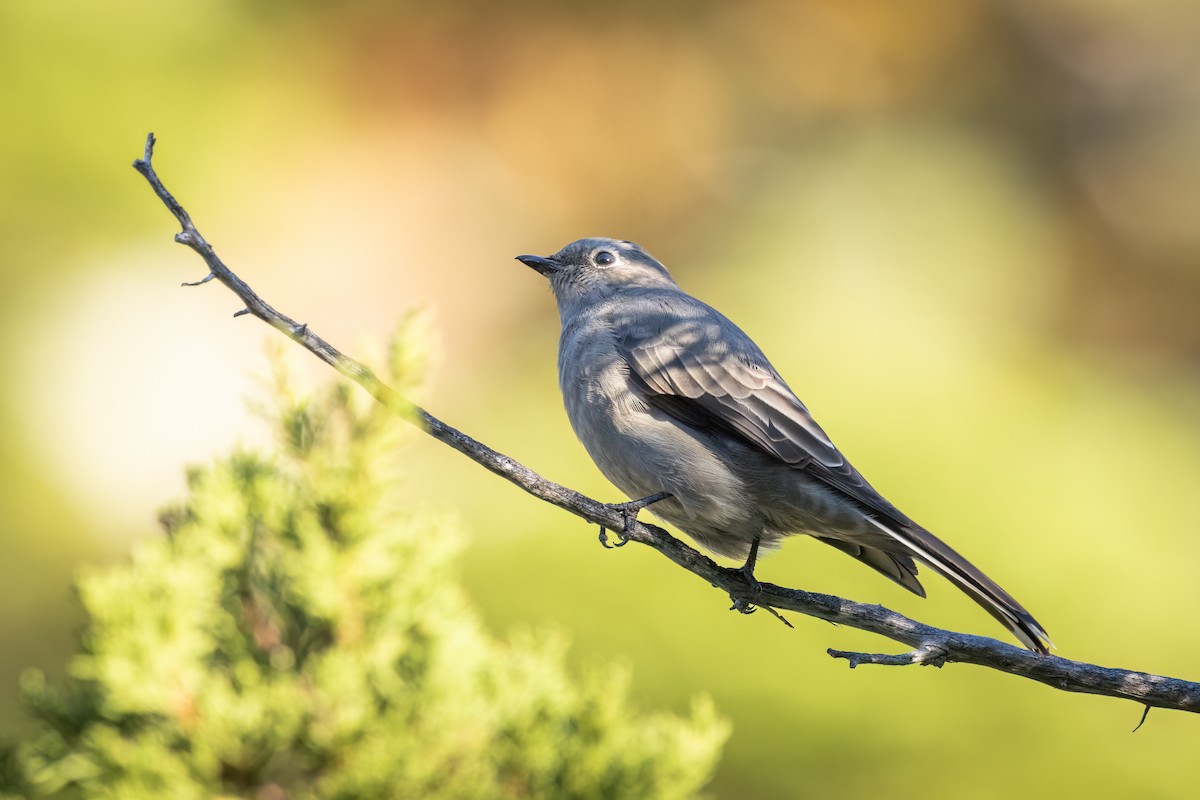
x=641 y=449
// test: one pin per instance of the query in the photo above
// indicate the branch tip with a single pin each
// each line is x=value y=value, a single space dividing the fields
x=142 y=164
x=779 y=617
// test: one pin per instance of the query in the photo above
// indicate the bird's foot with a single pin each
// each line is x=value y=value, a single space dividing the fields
x=743 y=604
x=752 y=583
x=630 y=512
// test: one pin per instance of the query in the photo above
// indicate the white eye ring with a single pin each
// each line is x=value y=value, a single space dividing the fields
x=604 y=258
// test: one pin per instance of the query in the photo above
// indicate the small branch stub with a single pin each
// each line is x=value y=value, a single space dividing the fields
x=926 y=656
x=200 y=282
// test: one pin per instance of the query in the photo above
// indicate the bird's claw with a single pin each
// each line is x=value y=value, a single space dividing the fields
x=629 y=511
x=622 y=540
x=742 y=605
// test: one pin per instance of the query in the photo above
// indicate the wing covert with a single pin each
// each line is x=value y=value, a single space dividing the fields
x=707 y=381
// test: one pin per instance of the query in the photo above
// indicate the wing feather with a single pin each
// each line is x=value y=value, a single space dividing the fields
x=703 y=370
x=737 y=390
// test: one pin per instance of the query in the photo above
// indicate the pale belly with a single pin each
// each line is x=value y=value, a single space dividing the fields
x=644 y=451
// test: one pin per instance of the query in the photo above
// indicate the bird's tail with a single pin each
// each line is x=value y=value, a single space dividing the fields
x=966 y=576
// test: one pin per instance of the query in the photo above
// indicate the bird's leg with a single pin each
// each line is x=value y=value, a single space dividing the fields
x=630 y=512
x=747 y=571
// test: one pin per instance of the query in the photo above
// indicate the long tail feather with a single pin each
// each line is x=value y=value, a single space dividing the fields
x=967 y=577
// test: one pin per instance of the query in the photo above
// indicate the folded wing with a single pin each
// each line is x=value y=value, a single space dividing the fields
x=711 y=375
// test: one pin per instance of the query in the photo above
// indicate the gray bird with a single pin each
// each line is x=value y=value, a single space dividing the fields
x=677 y=406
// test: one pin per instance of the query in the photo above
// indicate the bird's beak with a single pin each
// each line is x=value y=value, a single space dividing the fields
x=546 y=266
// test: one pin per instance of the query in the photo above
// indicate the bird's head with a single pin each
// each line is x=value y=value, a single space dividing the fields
x=588 y=271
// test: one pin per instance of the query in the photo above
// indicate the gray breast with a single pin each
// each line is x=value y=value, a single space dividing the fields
x=643 y=450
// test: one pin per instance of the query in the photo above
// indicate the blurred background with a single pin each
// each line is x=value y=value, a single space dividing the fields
x=965 y=231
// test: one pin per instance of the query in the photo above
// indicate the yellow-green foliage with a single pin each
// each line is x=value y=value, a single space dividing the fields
x=293 y=634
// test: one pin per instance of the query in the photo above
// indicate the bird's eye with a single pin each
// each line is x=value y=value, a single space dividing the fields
x=604 y=258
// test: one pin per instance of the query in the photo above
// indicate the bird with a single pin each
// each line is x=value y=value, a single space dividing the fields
x=683 y=413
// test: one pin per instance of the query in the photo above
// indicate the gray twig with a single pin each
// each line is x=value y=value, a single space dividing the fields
x=930 y=645
x=930 y=655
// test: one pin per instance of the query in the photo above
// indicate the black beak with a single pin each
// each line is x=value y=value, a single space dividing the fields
x=546 y=266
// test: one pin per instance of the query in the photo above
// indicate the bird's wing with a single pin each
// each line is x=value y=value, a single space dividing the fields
x=712 y=375
x=705 y=372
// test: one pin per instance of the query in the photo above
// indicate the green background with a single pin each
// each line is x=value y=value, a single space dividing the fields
x=964 y=231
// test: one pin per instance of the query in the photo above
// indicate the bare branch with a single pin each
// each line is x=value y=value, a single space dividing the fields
x=930 y=645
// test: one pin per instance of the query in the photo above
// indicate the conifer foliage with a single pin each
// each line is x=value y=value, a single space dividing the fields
x=296 y=633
